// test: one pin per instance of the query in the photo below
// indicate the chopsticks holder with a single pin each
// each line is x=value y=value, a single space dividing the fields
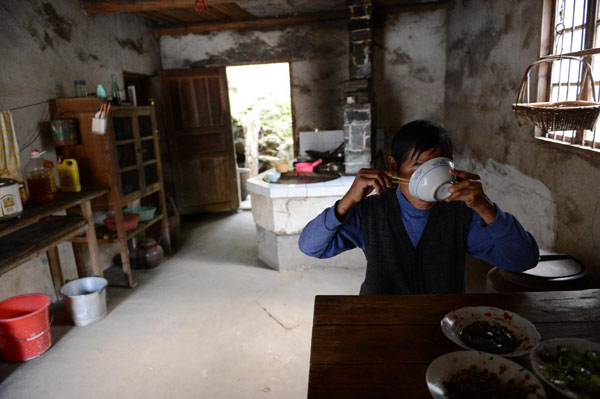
x=99 y=122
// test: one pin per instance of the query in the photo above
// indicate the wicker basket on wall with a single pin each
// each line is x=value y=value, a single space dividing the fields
x=562 y=115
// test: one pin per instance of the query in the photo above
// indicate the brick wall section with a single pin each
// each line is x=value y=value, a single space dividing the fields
x=358 y=110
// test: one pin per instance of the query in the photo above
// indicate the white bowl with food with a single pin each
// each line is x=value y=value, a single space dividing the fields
x=471 y=374
x=569 y=365
x=430 y=182
x=491 y=330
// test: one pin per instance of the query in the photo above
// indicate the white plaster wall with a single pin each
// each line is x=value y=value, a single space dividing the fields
x=45 y=45
x=528 y=199
x=409 y=69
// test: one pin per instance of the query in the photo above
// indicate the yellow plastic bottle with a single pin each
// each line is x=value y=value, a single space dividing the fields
x=68 y=172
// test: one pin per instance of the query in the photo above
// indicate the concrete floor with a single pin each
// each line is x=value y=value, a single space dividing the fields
x=211 y=322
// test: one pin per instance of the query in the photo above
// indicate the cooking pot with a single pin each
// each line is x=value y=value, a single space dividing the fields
x=10 y=199
x=334 y=167
x=307 y=166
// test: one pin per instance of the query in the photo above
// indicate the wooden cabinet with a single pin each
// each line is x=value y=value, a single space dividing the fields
x=126 y=159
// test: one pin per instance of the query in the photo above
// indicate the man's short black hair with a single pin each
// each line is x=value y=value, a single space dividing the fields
x=422 y=135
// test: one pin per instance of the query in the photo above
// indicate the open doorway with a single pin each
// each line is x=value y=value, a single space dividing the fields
x=261 y=113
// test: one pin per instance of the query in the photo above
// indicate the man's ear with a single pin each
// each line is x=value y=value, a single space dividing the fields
x=392 y=164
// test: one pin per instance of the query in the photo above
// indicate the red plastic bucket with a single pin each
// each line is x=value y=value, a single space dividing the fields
x=25 y=326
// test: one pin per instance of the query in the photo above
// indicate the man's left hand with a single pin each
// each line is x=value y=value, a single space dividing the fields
x=470 y=190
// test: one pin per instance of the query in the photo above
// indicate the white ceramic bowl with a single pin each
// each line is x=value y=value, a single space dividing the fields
x=444 y=367
x=431 y=180
x=577 y=344
x=273 y=176
x=454 y=322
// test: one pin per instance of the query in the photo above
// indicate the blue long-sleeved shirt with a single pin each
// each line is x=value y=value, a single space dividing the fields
x=503 y=243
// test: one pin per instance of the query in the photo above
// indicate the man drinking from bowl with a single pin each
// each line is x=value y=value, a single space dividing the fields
x=414 y=246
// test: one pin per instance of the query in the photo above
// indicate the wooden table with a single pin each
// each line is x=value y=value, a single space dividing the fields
x=380 y=346
x=40 y=230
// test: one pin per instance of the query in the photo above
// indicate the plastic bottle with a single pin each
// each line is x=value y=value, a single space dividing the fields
x=39 y=174
x=68 y=174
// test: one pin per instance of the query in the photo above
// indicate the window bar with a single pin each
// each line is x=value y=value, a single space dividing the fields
x=570 y=50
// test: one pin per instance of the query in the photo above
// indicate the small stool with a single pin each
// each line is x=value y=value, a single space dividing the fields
x=554 y=272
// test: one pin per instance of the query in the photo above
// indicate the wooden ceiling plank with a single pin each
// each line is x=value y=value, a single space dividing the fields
x=218 y=12
x=202 y=16
x=148 y=16
x=233 y=11
x=414 y=7
x=163 y=17
x=182 y=15
x=251 y=24
x=117 y=6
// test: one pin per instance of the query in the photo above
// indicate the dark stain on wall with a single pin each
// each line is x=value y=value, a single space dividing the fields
x=133 y=45
x=86 y=57
x=530 y=35
x=250 y=48
x=422 y=74
x=400 y=58
x=62 y=27
x=303 y=89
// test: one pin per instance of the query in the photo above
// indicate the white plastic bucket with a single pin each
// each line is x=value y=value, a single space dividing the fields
x=85 y=299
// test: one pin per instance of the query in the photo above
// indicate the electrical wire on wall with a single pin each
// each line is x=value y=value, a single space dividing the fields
x=35 y=135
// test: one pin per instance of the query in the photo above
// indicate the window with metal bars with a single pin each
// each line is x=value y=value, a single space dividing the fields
x=571 y=27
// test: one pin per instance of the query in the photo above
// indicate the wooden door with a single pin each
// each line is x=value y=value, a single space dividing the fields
x=198 y=124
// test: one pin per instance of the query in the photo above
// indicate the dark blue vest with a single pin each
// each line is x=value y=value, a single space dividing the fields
x=394 y=266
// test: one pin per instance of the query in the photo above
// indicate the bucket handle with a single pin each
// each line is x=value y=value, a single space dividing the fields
x=31 y=338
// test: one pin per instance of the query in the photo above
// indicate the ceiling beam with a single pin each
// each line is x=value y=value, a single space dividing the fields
x=252 y=23
x=118 y=6
x=414 y=7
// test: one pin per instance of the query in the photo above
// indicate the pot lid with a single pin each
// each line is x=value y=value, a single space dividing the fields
x=7 y=182
x=555 y=265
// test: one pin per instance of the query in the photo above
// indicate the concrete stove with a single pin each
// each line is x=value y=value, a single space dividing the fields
x=281 y=211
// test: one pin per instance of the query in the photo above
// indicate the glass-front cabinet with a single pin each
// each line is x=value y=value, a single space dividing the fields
x=136 y=151
x=125 y=159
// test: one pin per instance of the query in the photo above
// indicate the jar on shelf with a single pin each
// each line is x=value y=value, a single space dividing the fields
x=39 y=174
x=149 y=253
x=80 y=88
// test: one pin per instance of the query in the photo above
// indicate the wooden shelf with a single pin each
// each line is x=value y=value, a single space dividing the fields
x=128 y=141
x=101 y=231
x=34 y=212
x=99 y=155
x=128 y=169
x=151 y=189
x=32 y=241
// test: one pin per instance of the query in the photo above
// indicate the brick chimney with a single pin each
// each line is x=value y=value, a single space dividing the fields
x=358 y=109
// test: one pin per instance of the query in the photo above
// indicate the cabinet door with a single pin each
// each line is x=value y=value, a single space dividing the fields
x=196 y=107
x=123 y=126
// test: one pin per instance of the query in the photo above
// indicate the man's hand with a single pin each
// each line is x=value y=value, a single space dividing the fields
x=470 y=190
x=365 y=182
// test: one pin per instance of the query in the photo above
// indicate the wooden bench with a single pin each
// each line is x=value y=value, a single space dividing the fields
x=40 y=230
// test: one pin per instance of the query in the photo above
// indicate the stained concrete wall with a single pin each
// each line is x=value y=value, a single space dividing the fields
x=318 y=56
x=552 y=189
x=409 y=70
x=45 y=45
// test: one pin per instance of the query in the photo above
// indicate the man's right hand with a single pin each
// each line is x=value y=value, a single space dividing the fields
x=365 y=182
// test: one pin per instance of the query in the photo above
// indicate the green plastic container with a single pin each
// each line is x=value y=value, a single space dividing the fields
x=146 y=212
